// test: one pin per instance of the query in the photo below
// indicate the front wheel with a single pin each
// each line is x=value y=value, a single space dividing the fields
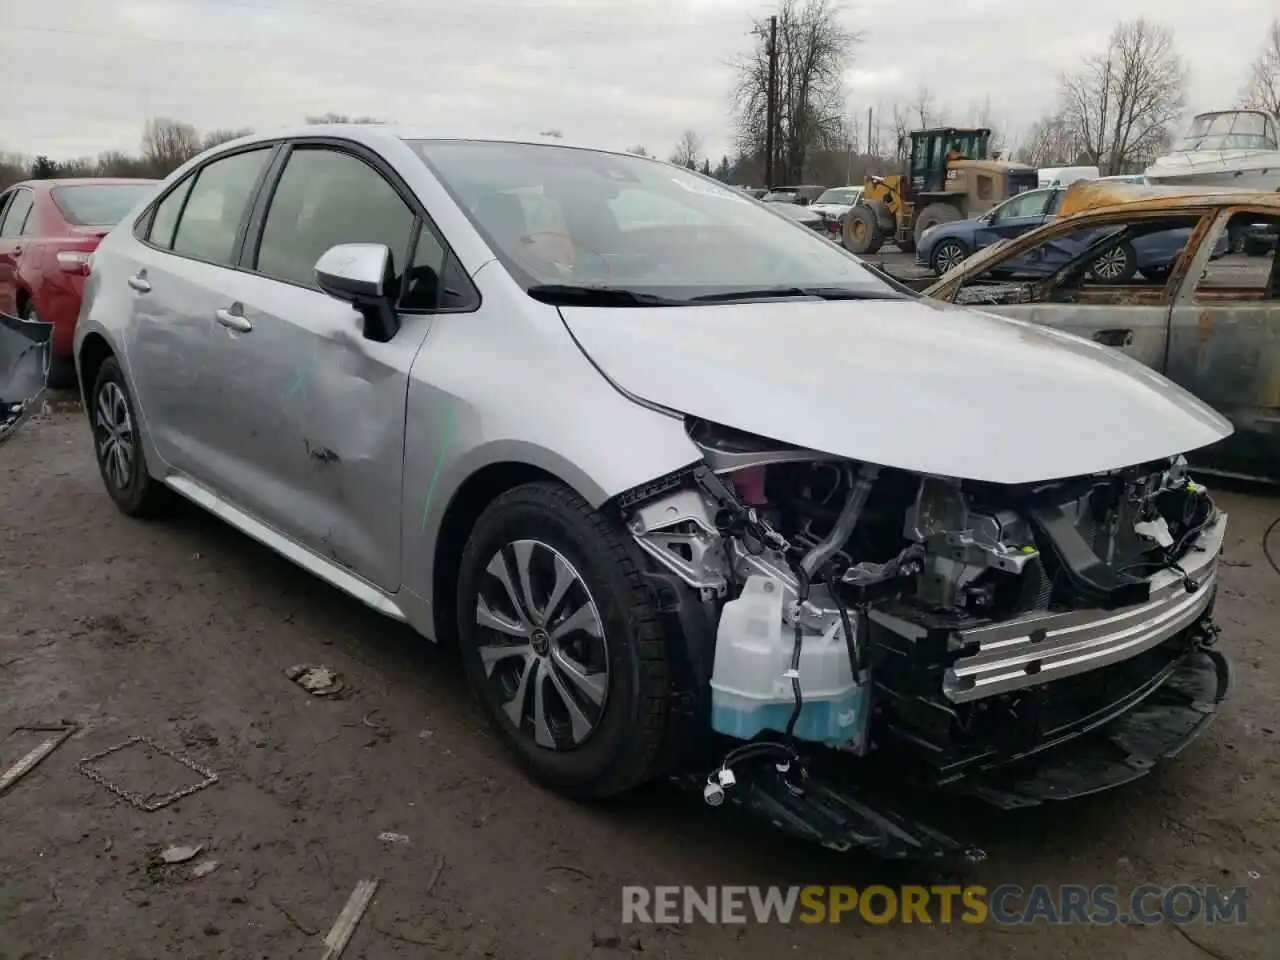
x=562 y=643
x=861 y=231
x=947 y=255
x=119 y=446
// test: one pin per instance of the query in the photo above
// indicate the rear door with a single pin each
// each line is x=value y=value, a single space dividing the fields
x=180 y=265
x=1225 y=343
x=322 y=443
x=14 y=222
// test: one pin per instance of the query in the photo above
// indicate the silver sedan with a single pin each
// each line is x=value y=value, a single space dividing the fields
x=670 y=467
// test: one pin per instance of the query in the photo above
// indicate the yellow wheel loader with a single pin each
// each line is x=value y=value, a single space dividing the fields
x=950 y=177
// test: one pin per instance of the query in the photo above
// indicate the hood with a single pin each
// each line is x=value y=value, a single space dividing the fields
x=832 y=209
x=913 y=384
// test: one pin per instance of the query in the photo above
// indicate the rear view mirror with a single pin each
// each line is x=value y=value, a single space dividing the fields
x=361 y=274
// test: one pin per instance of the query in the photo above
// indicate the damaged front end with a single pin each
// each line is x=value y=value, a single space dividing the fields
x=24 y=368
x=1013 y=643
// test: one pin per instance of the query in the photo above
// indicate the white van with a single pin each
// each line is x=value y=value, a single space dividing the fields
x=1065 y=176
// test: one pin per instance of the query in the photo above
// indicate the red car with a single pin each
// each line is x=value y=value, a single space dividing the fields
x=48 y=229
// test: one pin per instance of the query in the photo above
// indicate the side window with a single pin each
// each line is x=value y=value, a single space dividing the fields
x=325 y=197
x=165 y=217
x=219 y=198
x=422 y=280
x=15 y=217
x=1093 y=258
x=1244 y=264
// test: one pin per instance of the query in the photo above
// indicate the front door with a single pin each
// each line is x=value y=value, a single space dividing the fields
x=1015 y=217
x=325 y=406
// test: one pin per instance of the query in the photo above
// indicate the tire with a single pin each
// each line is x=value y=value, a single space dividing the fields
x=931 y=216
x=946 y=255
x=1113 y=269
x=861 y=231
x=614 y=741
x=62 y=372
x=122 y=464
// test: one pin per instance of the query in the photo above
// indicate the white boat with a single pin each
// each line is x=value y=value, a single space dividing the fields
x=1226 y=148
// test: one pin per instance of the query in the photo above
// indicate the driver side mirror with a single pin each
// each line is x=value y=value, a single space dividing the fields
x=361 y=274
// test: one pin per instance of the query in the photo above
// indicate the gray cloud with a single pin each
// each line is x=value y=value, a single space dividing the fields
x=81 y=76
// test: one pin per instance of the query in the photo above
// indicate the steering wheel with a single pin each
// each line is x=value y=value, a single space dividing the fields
x=574 y=245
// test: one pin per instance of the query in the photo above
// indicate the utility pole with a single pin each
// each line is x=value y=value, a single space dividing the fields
x=771 y=103
x=868 y=131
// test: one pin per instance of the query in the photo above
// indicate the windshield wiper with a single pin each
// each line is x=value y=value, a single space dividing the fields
x=572 y=295
x=769 y=293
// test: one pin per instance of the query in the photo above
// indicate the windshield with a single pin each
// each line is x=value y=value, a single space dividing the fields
x=840 y=195
x=558 y=215
x=99 y=205
x=1229 y=131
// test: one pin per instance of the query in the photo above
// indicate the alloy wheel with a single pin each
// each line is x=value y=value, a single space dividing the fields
x=1111 y=264
x=114 y=427
x=543 y=646
x=949 y=256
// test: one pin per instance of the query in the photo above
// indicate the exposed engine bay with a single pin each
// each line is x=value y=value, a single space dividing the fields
x=961 y=627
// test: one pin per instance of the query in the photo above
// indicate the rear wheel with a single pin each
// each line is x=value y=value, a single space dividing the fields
x=119 y=447
x=861 y=232
x=1117 y=265
x=561 y=641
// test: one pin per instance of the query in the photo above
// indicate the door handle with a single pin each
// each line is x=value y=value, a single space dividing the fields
x=233 y=321
x=1119 y=337
x=140 y=283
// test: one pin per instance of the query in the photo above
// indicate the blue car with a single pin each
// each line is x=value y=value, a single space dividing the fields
x=1151 y=255
x=942 y=247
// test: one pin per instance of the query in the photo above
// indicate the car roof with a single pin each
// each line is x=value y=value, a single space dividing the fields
x=373 y=134
x=1092 y=195
x=81 y=182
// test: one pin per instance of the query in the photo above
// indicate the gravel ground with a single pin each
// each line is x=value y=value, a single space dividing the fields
x=182 y=631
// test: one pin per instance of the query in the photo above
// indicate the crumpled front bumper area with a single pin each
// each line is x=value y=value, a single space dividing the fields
x=24 y=368
x=1142 y=711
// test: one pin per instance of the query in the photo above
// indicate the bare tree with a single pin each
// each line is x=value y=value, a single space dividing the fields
x=688 y=152
x=1051 y=142
x=1121 y=102
x=814 y=50
x=1262 y=90
x=982 y=116
x=13 y=167
x=168 y=144
x=924 y=109
x=332 y=117
x=215 y=137
x=117 y=163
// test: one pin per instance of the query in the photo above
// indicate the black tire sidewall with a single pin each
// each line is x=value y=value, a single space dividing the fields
x=618 y=748
x=132 y=498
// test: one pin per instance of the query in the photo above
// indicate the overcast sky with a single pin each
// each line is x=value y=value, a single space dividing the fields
x=81 y=76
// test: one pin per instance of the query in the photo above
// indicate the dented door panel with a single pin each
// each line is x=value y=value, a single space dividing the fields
x=318 y=447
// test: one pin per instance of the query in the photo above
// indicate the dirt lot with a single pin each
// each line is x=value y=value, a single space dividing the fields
x=182 y=631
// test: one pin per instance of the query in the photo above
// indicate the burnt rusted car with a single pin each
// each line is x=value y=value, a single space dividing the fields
x=1205 y=317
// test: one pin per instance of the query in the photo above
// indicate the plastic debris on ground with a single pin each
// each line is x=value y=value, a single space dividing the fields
x=317 y=681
